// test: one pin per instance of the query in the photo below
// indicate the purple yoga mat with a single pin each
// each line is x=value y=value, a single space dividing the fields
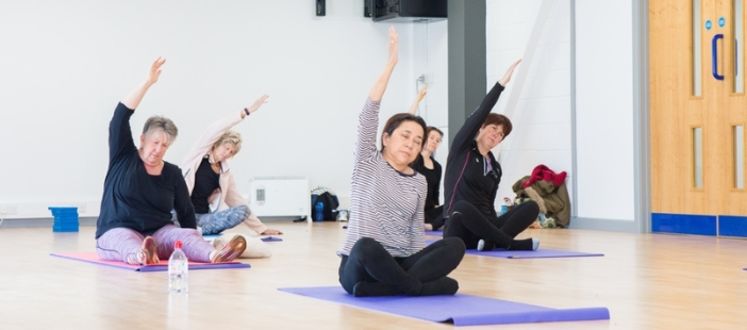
x=271 y=239
x=434 y=233
x=91 y=257
x=459 y=309
x=538 y=254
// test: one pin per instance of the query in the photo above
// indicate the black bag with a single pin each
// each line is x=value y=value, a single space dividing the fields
x=324 y=206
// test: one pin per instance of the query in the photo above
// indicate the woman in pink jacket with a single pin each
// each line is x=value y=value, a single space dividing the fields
x=217 y=202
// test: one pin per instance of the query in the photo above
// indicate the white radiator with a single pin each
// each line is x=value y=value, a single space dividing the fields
x=280 y=196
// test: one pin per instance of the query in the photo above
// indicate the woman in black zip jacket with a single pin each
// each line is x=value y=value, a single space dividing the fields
x=471 y=182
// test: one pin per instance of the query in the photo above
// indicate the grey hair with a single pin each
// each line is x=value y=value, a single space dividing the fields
x=162 y=123
x=229 y=137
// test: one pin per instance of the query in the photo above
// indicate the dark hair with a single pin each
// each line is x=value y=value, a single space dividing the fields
x=499 y=120
x=433 y=129
x=398 y=119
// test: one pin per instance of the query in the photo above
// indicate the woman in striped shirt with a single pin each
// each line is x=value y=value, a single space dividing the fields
x=385 y=252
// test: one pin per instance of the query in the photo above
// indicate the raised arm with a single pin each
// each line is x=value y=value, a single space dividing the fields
x=369 y=117
x=377 y=92
x=120 y=133
x=415 y=104
x=132 y=100
x=473 y=123
x=216 y=129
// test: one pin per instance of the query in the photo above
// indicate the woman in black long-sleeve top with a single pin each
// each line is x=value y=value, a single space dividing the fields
x=426 y=165
x=471 y=182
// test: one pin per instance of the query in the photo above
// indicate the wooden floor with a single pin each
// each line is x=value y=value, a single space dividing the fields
x=647 y=281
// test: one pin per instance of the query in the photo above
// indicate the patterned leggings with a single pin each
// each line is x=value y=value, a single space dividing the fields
x=216 y=222
x=122 y=244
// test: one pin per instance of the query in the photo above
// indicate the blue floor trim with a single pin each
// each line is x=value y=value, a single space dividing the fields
x=683 y=223
x=729 y=225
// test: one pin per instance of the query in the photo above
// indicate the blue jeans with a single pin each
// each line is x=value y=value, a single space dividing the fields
x=216 y=222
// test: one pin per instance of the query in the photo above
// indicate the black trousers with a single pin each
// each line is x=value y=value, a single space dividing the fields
x=471 y=225
x=370 y=270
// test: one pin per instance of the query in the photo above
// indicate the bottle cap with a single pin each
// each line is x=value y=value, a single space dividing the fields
x=178 y=244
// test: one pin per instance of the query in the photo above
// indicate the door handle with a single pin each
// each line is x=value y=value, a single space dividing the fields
x=714 y=56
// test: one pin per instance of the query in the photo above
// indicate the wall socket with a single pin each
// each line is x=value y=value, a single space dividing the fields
x=8 y=209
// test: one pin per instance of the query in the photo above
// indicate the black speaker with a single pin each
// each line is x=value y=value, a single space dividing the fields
x=368 y=8
x=405 y=10
x=321 y=7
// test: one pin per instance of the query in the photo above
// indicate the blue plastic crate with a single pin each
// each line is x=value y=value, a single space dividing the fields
x=65 y=218
x=63 y=210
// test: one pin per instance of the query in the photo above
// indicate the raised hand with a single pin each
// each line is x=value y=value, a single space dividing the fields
x=415 y=104
x=377 y=91
x=393 y=45
x=155 y=70
x=132 y=100
x=422 y=92
x=258 y=103
x=509 y=72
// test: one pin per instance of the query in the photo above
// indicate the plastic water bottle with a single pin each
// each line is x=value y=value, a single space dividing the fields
x=178 y=270
x=319 y=211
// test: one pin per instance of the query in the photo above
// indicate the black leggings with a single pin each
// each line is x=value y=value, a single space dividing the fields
x=370 y=270
x=435 y=217
x=469 y=224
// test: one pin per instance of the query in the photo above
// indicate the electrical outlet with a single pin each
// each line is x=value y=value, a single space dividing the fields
x=8 y=209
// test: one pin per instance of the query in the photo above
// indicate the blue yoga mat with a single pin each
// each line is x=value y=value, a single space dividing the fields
x=459 y=309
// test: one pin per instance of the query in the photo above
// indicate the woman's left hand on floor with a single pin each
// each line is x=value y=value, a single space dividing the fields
x=270 y=231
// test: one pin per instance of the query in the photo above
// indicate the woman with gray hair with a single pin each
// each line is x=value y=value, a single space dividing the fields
x=141 y=189
x=217 y=202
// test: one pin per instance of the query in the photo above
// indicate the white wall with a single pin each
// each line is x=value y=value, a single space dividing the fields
x=537 y=100
x=604 y=110
x=65 y=65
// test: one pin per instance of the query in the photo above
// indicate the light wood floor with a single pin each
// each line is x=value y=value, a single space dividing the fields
x=647 y=281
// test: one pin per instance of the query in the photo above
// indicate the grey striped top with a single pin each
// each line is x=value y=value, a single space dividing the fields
x=386 y=205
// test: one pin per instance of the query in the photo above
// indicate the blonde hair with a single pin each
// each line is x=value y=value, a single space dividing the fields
x=229 y=137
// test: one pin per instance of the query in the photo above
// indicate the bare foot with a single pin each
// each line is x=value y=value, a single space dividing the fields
x=150 y=251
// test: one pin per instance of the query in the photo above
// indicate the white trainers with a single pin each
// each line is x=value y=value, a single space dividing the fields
x=255 y=248
x=480 y=245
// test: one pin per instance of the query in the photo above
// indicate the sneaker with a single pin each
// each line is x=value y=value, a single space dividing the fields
x=148 y=254
x=484 y=245
x=232 y=250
